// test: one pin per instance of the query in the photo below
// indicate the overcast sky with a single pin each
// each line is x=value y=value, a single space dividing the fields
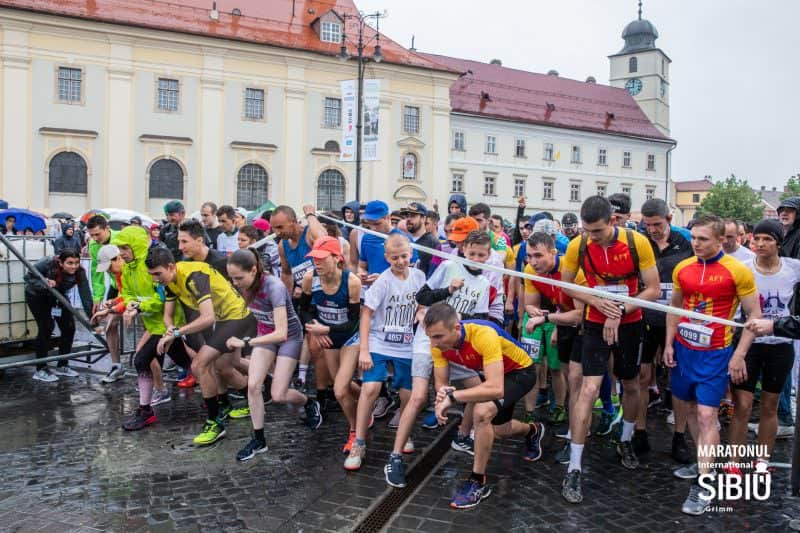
x=734 y=75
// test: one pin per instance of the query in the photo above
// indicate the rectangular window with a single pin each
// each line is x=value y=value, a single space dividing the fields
x=489 y=185
x=575 y=192
x=491 y=144
x=601 y=189
x=70 y=84
x=411 y=119
x=651 y=162
x=547 y=190
x=695 y=198
x=331 y=32
x=548 y=152
x=458 y=183
x=602 y=157
x=626 y=159
x=333 y=113
x=458 y=140
x=254 y=104
x=519 y=150
x=168 y=94
x=519 y=186
x=650 y=193
x=626 y=189
x=576 y=154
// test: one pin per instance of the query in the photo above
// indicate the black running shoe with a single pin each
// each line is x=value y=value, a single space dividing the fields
x=253 y=447
x=627 y=456
x=680 y=450
x=571 y=487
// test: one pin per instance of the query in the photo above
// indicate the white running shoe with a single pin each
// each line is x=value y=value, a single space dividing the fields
x=116 y=373
x=409 y=446
x=65 y=371
x=45 y=375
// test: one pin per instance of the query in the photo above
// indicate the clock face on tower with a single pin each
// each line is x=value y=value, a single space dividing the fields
x=634 y=86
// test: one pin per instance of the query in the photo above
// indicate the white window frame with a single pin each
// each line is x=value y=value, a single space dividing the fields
x=491 y=144
x=549 y=147
x=158 y=107
x=245 y=111
x=602 y=189
x=627 y=157
x=520 y=148
x=81 y=84
x=602 y=157
x=520 y=186
x=626 y=188
x=548 y=189
x=330 y=32
x=457 y=176
x=575 y=154
x=459 y=140
x=325 y=123
x=650 y=193
x=408 y=126
x=490 y=184
x=651 y=162
x=574 y=187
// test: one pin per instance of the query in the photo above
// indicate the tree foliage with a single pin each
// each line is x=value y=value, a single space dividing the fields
x=733 y=198
x=792 y=187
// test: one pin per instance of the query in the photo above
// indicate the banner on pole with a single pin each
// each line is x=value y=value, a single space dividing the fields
x=348 y=150
x=372 y=106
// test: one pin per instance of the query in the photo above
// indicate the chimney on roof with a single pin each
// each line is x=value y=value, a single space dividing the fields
x=774 y=189
x=552 y=72
x=214 y=15
x=591 y=79
x=413 y=48
x=763 y=187
x=496 y=62
x=485 y=96
x=236 y=12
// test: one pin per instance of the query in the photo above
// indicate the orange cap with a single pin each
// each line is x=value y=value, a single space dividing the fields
x=325 y=246
x=461 y=229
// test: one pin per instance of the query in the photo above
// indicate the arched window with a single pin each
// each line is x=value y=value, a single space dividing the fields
x=251 y=186
x=166 y=180
x=633 y=64
x=332 y=146
x=67 y=174
x=409 y=166
x=330 y=190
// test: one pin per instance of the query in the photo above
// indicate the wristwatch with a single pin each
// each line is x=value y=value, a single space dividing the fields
x=246 y=341
x=176 y=333
x=452 y=397
x=546 y=317
x=622 y=309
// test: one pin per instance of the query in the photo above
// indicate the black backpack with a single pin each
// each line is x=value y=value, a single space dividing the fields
x=612 y=279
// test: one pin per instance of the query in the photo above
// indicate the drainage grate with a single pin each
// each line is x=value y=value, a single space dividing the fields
x=384 y=509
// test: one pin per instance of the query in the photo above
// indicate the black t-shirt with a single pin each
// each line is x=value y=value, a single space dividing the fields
x=212 y=235
x=428 y=240
x=219 y=261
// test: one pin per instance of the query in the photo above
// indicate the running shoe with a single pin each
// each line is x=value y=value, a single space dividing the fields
x=671 y=418
x=266 y=395
x=356 y=457
x=45 y=375
x=469 y=494
x=533 y=443
x=253 y=448
x=686 y=472
x=182 y=374
x=562 y=456
x=463 y=443
x=114 y=374
x=65 y=371
x=430 y=422
x=212 y=432
x=627 y=456
x=351 y=438
x=395 y=471
x=139 y=419
x=785 y=432
x=680 y=450
x=313 y=414
x=542 y=399
x=169 y=365
x=655 y=398
x=753 y=427
x=394 y=423
x=408 y=447
x=615 y=400
x=598 y=404
x=224 y=412
x=696 y=501
x=571 y=487
x=608 y=421
x=559 y=415
x=236 y=394
x=160 y=396
x=732 y=469
x=381 y=407
x=640 y=442
x=188 y=382
x=239 y=412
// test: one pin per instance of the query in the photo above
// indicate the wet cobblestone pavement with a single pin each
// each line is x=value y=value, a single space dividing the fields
x=67 y=466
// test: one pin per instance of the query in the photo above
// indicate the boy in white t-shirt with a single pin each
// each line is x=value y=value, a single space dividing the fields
x=387 y=334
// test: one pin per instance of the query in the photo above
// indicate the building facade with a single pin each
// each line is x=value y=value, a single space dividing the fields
x=111 y=107
x=688 y=197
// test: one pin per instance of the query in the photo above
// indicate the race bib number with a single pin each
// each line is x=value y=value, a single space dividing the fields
x=55 y=312
x=532 y=346
x=695 y=334
x=332 y=315
x=665 y=298
x=300 y=270
x=613 y=289
x=398 y=334
x=316 y=284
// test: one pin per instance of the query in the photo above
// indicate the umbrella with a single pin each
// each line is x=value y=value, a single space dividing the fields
x=92 y=212
x=63 y=215
x=25 y=219
x=266 y=206
x=125 y=216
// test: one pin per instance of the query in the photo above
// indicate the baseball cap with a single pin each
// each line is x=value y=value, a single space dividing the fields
x=568 y=219
x=174 y=206
x=325 y=246
x=375 y=210
x=415 y=208
x=242 y=211
x=546 y=226
x=461 y=229
x=104 y=257
x=261 y=224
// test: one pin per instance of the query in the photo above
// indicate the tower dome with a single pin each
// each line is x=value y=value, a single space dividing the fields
x=639 y=35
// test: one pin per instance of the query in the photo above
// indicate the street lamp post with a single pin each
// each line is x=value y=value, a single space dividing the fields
x=360 y=20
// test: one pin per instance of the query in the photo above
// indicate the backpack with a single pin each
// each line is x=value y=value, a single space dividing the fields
x=610 y=279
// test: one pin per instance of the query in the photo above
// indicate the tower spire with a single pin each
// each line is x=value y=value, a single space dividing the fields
x=640 y=9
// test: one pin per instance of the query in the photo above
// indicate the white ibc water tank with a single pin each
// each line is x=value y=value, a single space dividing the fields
x=16 y=322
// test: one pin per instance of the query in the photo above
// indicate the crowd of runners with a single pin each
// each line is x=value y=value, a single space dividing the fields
x=388 y=327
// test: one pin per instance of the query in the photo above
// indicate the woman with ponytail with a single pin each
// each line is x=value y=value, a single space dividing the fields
x=279 y=341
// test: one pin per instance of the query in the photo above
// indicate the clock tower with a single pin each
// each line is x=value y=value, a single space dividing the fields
x=643 y=70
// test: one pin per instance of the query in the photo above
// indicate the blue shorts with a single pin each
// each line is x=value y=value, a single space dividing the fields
x=700 y=375
x=378 y=373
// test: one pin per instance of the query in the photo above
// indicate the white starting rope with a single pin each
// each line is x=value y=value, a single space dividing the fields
x=570 y=286
x=258 y=244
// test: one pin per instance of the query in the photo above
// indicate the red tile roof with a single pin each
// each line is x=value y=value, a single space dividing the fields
x=506 y=93
x=694 y=185
x=268 y=22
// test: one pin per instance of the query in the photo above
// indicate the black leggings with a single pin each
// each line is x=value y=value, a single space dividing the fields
x=41 y=308
x=142 y=359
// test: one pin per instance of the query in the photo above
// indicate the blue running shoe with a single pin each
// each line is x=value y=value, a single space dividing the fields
x=533 y=443
x=430 y=422
x=469 y=494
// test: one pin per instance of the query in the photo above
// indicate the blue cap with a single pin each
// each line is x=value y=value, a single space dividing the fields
x=376 y=210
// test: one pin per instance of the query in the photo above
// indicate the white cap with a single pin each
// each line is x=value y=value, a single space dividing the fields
x=104 y=257
x=242 y=211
